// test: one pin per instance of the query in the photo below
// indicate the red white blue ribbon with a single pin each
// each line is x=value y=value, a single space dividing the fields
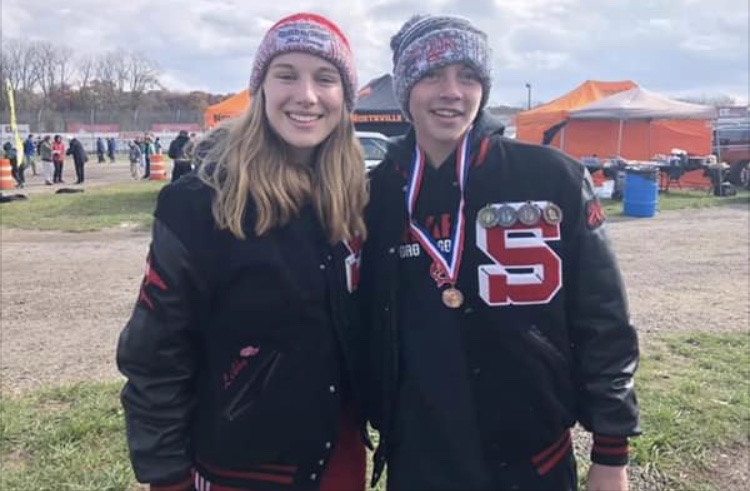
x=449 y=262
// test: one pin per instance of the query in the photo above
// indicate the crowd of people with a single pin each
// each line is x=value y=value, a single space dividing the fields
x=50 y=151
x=463 y=299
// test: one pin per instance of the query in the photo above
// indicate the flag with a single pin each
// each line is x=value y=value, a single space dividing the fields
x=13 y=125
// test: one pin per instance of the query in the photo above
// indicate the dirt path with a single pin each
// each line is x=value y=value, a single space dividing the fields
x=65 y=297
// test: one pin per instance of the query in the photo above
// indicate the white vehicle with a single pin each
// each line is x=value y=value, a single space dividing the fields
x=374 y=147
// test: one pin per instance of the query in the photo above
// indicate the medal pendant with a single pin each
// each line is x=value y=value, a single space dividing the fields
x=552 y=214
x=452 y=298
x=507 y=216
x=529 y=214
x=488 y=217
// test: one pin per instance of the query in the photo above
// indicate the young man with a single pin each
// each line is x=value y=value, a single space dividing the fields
x=29 y=151
x=495 y=309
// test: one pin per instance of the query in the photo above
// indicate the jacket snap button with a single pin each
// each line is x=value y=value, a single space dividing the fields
x=322 y=266
x=313 y=476
x=332 y=389
x=392 y=250
x=328 y=444
x=321 y=462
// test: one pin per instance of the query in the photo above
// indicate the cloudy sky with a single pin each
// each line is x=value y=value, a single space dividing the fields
x=677 y=47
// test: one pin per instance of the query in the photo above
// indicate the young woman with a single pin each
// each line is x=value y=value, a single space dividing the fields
x=238 y=353
x=58 y=156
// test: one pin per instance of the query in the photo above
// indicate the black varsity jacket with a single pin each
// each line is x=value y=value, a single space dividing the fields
x=545 y=352
x=238 y=352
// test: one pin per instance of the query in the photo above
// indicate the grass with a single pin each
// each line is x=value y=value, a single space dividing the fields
x=96 y=209
x=693 y=390
x=70 y=438
x=680 y=200
x=133 y=203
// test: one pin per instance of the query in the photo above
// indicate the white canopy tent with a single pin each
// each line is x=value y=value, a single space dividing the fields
x=640 y=104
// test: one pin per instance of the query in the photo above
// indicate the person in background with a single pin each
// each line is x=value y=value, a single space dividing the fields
x=58 y=158
x=495 y=309
x=148 y=150
x=16 y=169
x=181 y=161
x=135 y=155
x=111 y=149
x=100 y=148
x=29 y=152
x=76 y=150
x=239 y=354
x=45 y=154
x=157 y=146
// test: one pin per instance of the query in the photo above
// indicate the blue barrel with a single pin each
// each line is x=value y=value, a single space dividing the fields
x=641 y=191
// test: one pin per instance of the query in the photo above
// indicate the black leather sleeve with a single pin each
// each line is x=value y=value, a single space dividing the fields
x=605 y=344
x=157 y=354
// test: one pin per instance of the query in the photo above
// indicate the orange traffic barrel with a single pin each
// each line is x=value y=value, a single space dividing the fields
x=158 y=170
x=6 y=175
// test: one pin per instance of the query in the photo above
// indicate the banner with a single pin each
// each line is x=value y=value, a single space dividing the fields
x=13 y=126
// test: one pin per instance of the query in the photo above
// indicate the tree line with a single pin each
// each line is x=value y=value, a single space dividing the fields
x=54 y=86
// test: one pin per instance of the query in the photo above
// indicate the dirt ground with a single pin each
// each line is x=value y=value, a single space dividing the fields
x=65 y=297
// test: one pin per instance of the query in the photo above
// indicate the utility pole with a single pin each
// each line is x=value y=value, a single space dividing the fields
x=528 y=95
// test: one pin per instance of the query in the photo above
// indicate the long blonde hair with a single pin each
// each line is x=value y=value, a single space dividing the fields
x=246 y=156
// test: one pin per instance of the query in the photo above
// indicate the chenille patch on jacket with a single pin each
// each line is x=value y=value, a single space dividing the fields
x=151 y=279
x=594 y=214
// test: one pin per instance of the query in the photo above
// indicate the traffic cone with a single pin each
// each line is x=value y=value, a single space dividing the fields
x=6 y=175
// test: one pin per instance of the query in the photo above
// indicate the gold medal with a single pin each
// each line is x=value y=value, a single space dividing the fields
x=452 y=298
x=488 y=217
x=529 y=214
x=552 y=214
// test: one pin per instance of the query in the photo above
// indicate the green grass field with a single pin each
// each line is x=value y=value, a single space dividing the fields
x=133 y=204
x=96 y=209
x=694 y=391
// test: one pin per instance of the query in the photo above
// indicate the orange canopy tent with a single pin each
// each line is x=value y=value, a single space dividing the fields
x=531 y=124
x=228 y=108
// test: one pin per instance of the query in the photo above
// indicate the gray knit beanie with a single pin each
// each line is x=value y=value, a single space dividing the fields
x=312 y=34
x=428 y=42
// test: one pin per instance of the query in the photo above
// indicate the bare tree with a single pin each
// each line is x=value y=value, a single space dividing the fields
x=143 y=75
x=18 y=65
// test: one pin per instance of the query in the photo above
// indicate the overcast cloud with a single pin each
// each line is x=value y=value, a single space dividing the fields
x=677 y=47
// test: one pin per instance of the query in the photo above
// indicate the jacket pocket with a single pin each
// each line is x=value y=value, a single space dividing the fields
x=549 y=350
x=560 y=393
x=248 y=394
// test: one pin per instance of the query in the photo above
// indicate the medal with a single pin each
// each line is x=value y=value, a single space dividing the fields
x=488 y=217
x=529 y=214
x=446 y=265
x=552 y=214
x=507 y=216
x=452 y=298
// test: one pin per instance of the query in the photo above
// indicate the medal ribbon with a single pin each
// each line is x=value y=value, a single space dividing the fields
x=450 y=263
